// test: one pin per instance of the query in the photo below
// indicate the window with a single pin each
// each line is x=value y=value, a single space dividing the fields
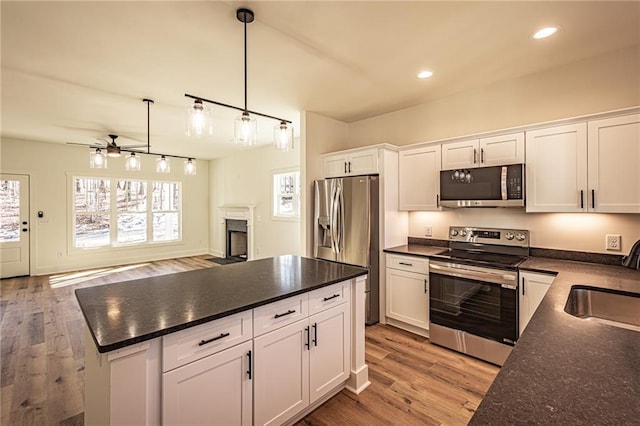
x=127 y=215
x=10 y=218
x=286 y=195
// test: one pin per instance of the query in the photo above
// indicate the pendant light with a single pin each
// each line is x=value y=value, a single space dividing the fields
x=97 y=159
x=189 y=167
x=245 y=126
x=132 y=163
x=163 y=165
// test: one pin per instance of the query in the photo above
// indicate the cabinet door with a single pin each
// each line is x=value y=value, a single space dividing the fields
x=408 y=297
x=614 y=165
x=334 y=166
x=533 y=287
x=460 y=155
x=502 y=150
x=215 y=390
x=330 y=353
x=556 y=169
x=363 y=162
x=281 y=373
x=419 y=179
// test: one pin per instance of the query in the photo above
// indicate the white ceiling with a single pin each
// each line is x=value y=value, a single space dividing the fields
x=76 y=71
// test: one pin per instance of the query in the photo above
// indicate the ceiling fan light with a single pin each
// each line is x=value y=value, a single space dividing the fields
x=246 y=129
x=163 y=165
x=132 y=163
x=97 y=159
x=283 y=137
x=189 y=167
x=199 y=120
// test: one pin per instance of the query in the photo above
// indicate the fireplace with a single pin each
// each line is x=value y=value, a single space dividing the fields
x=237 y=244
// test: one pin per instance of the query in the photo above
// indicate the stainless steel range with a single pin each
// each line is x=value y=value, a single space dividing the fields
x=474 y=291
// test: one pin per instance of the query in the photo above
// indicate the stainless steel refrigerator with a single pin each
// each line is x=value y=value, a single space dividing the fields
x=346 y=229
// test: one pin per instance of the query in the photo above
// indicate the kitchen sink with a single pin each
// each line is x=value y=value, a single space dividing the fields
x=612 y=307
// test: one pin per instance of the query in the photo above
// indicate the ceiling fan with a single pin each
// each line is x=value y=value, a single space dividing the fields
x=113 y=149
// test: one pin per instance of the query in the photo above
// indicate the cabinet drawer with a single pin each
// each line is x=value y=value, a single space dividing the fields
x=279 y=314
x=408 y=263
x=183 y=347
x=326 y=297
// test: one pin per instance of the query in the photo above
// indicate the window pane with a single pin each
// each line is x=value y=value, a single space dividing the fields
x=286 y=188
x=10 y=202
x=166 y=226
x=91 y=195
x=131 y=196
x=286 y=205
x=92 y=230
x=132 y=228
x=166 y=196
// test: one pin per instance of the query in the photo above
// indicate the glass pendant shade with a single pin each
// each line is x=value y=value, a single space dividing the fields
x=189 y=167
x=132 y=163
x=199 y=120
x=163 y=165
x=97 y=159
x=246 y=129
x=283 y=137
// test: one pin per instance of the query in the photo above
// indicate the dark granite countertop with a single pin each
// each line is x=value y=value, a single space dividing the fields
x=416 y=250
x=129 y=312
x=566 y=370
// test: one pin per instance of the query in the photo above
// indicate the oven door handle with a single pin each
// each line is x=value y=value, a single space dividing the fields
x=506 y=280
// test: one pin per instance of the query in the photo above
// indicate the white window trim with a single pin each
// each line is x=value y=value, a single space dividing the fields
x=272 y=200
x=114 y=245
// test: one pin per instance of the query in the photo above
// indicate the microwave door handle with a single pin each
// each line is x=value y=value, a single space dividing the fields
x=503 y=182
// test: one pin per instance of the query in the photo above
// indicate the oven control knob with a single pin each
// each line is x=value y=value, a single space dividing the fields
x=520 y=237
x=454 y=232
x=509 y=236
x=463 y=233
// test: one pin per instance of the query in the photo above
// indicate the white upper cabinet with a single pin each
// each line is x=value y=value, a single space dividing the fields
x=614 y=164
x=556 y=169
x=350 y=163
x=419 y=179
x=585 y=167
x=494 y=151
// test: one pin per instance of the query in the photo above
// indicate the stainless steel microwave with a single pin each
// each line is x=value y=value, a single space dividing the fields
x=495 y=186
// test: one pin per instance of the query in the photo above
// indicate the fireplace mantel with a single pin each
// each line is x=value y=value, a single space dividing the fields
x=238 y=212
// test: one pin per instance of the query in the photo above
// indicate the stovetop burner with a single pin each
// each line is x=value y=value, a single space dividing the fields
x=504 y=248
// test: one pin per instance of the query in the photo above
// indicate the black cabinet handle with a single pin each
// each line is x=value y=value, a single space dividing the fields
x=331 y=297
x=289 y=312
x=482 y=155
x=475 y=156
x=405 y=263
x=249 y=371
x=306 y=329
x=349 y=166
x=425 y=286
x=213 y=339
x=345 y=167
x=24 y=222
x=315 y=334
x=593 y=198
x=523 y=286
x=581 y=199
x=437 y=200
x=25 y=229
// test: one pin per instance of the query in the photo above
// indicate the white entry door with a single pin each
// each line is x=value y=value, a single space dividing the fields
x=14 y=225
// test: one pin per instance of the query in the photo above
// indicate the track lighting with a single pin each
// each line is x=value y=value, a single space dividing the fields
x=199 y=119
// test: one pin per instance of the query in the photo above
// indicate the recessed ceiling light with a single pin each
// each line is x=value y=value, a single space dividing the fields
x=425 y=74
x=545 y=32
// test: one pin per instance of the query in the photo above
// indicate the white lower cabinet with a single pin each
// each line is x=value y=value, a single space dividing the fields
x=298 y=364
x=215 y=390
x=533 y=287
x=408 y=290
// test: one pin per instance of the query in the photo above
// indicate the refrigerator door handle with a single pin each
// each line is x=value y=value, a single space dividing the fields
x=339 y=212
x=332 y=217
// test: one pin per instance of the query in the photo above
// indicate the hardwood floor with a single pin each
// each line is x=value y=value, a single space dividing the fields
x=42 y=360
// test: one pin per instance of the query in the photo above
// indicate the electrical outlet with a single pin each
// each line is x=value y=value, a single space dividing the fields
x=428 y=231
x=613 y=242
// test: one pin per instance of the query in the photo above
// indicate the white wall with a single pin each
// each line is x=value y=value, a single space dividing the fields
x=245 y=179
x=322 y=135
x=51 y=167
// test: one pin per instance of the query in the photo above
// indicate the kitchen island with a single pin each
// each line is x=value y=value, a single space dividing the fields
x=213 y=343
